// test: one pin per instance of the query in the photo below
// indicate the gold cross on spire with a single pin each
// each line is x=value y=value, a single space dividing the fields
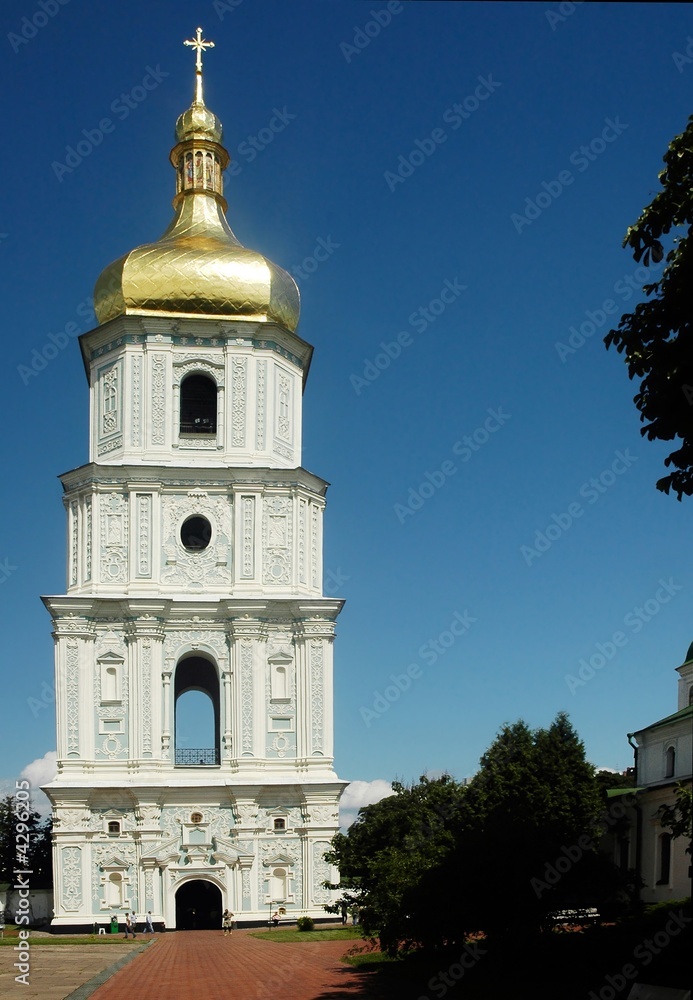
x=199 y=45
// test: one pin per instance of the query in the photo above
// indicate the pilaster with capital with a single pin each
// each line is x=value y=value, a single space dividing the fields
x=247 y=639
x=166 y=716
x=145 y=637
x=74 y=645
x=313 y=640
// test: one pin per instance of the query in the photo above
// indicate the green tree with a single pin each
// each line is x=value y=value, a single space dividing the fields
x=386 y=852
x=439 y=860
x=25 y=843
x=613 y=779
x=656 y=337
x=535 y=797
x=679 y=816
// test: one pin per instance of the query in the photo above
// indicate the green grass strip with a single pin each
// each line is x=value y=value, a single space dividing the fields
x=283 y=934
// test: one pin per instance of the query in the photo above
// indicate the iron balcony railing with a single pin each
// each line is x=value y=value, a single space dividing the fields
x=198 y=757
x=202 y=425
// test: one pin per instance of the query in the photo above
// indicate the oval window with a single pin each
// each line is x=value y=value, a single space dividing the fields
x=196 y=533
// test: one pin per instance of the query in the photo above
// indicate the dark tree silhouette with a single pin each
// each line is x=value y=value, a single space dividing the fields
x=657 y=336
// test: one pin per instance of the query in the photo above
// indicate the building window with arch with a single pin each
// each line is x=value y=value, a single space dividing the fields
x=279 y=885
x=115 y=882
x=284 y=409
x=116 y=890
x=197 y=708
x=198 y=405
x=279 y=824
x=664 y=859
x=669 y=762
x=280 y=679
x=111 y=677
x=109 y=401
x=113 y=828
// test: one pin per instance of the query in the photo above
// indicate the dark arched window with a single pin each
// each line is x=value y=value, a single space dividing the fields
x=670 y=762
x=198 y=405
x=664 y=859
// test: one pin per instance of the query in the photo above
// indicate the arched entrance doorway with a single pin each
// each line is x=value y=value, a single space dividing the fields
x=198 y=906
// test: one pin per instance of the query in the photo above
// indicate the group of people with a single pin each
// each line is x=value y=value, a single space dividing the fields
x=345 y=914
x=131 y=924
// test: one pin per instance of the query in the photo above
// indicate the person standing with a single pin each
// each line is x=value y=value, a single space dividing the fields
x=227 y=922
x=130 y=924
x=148 y=925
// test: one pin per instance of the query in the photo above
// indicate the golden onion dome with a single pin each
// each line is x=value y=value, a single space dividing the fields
x=198 y=121
x=198 y=267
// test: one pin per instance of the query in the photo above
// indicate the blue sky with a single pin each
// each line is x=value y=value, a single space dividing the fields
x=467 y=173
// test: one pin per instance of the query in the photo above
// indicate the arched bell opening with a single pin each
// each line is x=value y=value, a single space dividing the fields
x=197 y=713
x=198 y=405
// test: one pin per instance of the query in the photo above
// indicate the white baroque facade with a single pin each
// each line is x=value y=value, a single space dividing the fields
x=194 y=564
x=663 y=755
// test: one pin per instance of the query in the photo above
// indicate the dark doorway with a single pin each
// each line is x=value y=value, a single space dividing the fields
x=198 y=906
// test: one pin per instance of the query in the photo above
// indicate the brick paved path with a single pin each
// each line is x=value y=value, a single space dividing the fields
x=205 y=965
x=57 y=970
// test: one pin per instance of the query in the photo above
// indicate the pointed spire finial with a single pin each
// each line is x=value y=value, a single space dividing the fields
x=199 y=45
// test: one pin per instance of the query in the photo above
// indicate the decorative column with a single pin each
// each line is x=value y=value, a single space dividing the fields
x=74 y=694
x=166 y=675
x=227 y=680
x=313 y=641
x=246 y=634
x=145 y=637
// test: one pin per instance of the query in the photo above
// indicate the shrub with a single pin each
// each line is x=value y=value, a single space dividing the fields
x=305 y=924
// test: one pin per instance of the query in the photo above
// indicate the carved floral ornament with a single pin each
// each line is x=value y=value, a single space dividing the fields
x=191 y=365
x=74 y=625
x=212 y=642
x=144 y=627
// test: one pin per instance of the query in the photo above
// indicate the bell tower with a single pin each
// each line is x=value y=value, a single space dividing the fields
x=194 y=565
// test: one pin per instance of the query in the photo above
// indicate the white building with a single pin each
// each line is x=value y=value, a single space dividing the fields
x=663 y=758
x=194 y=565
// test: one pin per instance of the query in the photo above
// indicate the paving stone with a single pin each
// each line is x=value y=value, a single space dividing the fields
x=191 y=965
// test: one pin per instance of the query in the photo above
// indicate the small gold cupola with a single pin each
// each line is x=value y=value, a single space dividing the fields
x=198 y=267
x=199 y=158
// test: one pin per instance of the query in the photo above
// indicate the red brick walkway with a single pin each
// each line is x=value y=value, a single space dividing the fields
x=205 y=965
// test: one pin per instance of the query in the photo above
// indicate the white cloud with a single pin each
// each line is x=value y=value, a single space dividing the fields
x=40 y=772
x=361 y=793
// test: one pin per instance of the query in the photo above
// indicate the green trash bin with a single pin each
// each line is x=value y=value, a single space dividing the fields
x=114 y=925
